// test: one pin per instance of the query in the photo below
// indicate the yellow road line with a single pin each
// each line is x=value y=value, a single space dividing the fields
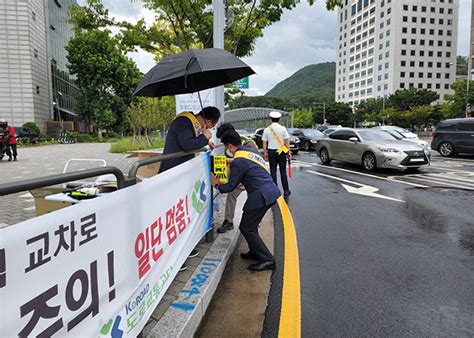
x=290 y=316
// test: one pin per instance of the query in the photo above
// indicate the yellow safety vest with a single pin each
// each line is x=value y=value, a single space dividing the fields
x=244 y=138
x=248 y=155
x=194 y=121
x=282 y=148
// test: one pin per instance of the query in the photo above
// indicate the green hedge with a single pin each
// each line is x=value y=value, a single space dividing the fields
x=126 y=144
x=33 y=126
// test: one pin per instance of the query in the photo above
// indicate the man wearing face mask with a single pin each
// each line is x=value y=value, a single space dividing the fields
x=189 y=132
x=250 y=169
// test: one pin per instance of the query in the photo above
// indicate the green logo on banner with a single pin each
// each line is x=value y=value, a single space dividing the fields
x=199 y=197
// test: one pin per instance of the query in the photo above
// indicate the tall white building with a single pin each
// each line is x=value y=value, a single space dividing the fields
x=386 y=45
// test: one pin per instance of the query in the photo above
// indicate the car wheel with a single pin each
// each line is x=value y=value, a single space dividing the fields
x=324 y=156
x=446 y=149
x=369 y=162
x=307 y=146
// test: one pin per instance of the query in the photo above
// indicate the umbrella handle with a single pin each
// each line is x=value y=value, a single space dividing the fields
x=200 y=101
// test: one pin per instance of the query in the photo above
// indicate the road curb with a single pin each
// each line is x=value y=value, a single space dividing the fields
x=184 y=316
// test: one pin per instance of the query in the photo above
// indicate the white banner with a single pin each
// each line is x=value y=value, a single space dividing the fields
x=99 y=268
x=190 y=102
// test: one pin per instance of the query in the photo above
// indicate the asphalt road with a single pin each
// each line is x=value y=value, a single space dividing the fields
x=372 y=266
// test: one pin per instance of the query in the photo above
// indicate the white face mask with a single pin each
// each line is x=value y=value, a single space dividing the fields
x=228 y=153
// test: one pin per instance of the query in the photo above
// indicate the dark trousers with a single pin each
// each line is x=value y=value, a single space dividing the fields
x=280 y=160
x=249 y=229
x=11 y=149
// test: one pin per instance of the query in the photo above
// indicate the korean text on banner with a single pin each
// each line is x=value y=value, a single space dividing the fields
x=99 y=268
x=220 y=168
x=190 y=102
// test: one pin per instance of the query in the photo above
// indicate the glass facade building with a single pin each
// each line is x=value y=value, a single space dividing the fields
x=65 y=92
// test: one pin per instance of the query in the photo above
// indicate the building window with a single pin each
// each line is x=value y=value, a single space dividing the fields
x=423 y=20
x=413 y=52
x=446 y=76
x=428 y=85
x=403 y=63
x=422 y=53
x=412 y=74
x=421 y=64
x=33 y=15
x=446 y=86
x=35 y=52
x=438 y=75
x=37 y=89
x=438 y=86
x=413 y=19
x=412 y=63
x=402 y=85
x=420 y=85
x=420 y=75
x=402 y=74
x=423 y=31
x=404 y=30
x=405 y=19
x=404 y=52
x=415 y=8
x=430 y=75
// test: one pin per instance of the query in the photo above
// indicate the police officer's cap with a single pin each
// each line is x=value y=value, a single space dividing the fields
x=275 y=115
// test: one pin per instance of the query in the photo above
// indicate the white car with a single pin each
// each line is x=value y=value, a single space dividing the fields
x=403 y=134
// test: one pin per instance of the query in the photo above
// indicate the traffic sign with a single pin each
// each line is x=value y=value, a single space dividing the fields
x=242 y=83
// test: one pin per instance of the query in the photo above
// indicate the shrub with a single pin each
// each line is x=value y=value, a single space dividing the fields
x=33 y=126
x=126 y=144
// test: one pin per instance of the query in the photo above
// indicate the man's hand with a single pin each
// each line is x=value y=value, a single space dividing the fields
x=289 y=155
x=229 y=160
x=265 y=156
x=207 y=133
x=211 y=144
x=214 y=180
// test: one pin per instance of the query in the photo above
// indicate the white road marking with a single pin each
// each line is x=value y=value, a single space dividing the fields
x=390 y=179
x=450 y=177
x=365 y=190
x=27 y=195
x=442 y=183
x=30 y=200
x=29 y=208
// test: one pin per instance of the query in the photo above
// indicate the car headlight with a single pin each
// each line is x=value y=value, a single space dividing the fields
x=389 y=150
x=314 y=141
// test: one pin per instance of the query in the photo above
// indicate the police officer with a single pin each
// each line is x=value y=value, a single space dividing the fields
x=189 y=132
x=249 y=168
x=231 y=199
x=276 y=148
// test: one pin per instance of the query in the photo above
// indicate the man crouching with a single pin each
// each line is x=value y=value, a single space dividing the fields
x=250 y=169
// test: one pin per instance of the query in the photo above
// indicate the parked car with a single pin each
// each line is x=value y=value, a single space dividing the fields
x=294 y=141
x=308 y=137
x=371 y=148
x=26 y=135
x=328 y=131
x=401 y=133
x=454 y=136
x=244 y=133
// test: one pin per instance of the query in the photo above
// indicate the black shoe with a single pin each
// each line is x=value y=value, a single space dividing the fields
x=262 y=266
x=248 y=255
x=287 y=193
x=183 y=267
x=226 y=226
x=14 y=159
x=193 y=253
x=10 y=159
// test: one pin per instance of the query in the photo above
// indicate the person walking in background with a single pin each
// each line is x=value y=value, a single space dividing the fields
x=276 y=147
x=249 y=168
x=189 y=132
x=231 y=199
x=11 y=144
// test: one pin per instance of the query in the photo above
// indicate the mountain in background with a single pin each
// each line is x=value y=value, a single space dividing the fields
x=313 y=83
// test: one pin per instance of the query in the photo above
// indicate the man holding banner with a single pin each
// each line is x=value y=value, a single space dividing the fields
x=250 y=169
x=231 y=200
x=189 y=132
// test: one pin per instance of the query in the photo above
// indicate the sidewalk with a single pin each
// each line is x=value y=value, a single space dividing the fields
x=184 y=305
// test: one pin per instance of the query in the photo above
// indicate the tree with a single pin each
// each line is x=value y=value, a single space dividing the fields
x=182 y=24
x=105 y=76
x=460 y=97
x=260 y=102
x=418 y=116
x=337 y=113
x=365 y=110
x=302 y=118
x=406 y=99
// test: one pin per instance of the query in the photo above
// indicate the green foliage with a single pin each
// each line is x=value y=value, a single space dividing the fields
x=105 y=76
x=314 y=83
x=461 y=65
x=33 y=126
x=460 y=97
x=303 y=118
x=147 y=114
x=130 y=144
x=337 y=113
x=406 y=99
x=182 y=24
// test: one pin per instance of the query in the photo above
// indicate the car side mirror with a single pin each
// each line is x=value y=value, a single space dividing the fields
x=354 y=139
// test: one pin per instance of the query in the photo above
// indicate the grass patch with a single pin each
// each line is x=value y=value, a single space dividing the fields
x=126 y=144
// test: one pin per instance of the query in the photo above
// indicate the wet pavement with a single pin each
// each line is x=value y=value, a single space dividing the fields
x=385 y=254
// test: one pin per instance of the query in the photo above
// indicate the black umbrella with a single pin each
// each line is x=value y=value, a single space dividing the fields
x=192 y=71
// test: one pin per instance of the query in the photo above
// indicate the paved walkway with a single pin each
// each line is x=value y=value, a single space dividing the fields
x=43 y=161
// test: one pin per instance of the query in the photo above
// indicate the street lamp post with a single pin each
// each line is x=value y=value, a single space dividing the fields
x=324 y=110
x=467 y=87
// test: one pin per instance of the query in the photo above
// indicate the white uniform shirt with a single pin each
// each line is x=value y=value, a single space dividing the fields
x=271 y=139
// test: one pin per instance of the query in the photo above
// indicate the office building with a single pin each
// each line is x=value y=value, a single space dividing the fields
x=386 y=45
x=34 y=81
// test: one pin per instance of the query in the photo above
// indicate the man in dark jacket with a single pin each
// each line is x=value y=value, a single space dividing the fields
x=250 y=169
x=189 y=132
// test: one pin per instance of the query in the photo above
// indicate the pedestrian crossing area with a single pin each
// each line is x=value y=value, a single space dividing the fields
x=450 y=179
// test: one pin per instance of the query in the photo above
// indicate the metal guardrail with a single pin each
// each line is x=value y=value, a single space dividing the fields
x=40 y=182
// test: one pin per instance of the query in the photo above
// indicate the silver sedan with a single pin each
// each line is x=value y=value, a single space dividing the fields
x=371 y=148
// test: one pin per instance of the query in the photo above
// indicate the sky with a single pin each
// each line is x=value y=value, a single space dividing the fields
x=305 y=35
